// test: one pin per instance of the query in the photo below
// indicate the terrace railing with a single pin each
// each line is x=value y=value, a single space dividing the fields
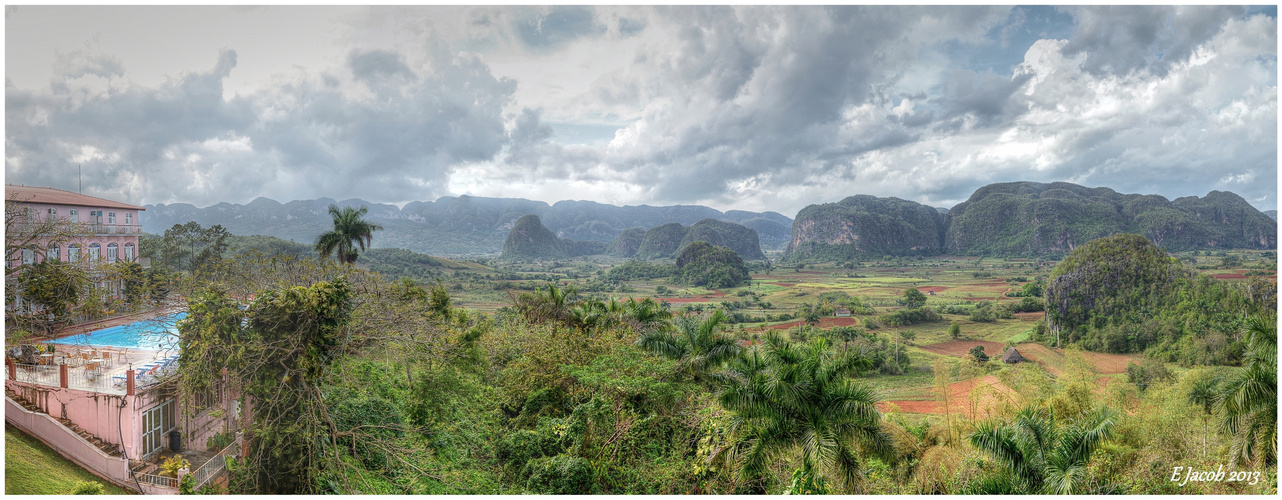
x=215 y=465
x=38 y=374
x=93 y=380
x=157 y=480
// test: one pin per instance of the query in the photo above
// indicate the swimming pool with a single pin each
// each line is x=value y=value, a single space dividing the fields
x=156 y=334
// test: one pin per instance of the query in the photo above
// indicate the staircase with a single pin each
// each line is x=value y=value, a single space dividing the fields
x=111 y=449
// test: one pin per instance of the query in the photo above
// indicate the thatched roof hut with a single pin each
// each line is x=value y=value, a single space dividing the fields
x=1012 y=356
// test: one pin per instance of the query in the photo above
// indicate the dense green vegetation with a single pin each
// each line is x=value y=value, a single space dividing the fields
x=1124 y=294
x=865 y=226
x=706 y=265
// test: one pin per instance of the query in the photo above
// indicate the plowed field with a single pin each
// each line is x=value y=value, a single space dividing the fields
x=1054 y=359
x=961 y=348
x=978 y=396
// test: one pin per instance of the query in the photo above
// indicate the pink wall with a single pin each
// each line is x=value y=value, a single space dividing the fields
x=97 y=413
x=68 y=444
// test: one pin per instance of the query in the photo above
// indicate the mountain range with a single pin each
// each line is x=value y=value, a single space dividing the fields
x=1014 y=218
x=455 y=226
x=1026 y=219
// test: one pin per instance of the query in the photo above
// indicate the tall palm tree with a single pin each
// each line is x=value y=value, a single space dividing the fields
x=697 y=345
x=1205 y=394
x=1250 y=398
x=1039 y=457
x=786 y=396
x=350 y=232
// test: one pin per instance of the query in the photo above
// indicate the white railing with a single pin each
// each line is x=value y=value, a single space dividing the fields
x=214 y=466
x=93 y=380
x=38 y=374
x=156 y=480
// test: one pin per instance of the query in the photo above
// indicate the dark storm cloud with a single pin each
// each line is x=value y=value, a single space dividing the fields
x=303 y=139
x=376 y=65
x=769 y=87
x=986 y=97
x=1121 y=39
x=557 y=26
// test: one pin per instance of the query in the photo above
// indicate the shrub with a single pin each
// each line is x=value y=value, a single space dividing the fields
x=905 y=317
x=561 y=475
x=86 y=488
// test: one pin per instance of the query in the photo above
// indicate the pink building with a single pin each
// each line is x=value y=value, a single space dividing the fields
x=113 y=227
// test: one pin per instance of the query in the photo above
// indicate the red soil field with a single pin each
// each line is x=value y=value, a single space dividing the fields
x=785 y=285
x=924 y=289
x=961 y=348
x=1229 y=276
x=823 y=323
x=716 y=294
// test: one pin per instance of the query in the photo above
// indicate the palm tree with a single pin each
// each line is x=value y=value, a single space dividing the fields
x=552 y=304
x=697 y=346
x=1250 y=398
x=350 y=232
x=1205 y=393
x=1040 y=458
x=785 y=396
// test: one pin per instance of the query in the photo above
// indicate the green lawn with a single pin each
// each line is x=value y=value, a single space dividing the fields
x=31 y=468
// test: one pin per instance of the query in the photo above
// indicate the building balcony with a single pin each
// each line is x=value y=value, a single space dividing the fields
x=113 y=229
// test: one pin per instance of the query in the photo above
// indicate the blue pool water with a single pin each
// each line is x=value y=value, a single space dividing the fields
x=155 y=334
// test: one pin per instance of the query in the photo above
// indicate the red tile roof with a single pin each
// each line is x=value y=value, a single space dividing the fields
x=30 y=194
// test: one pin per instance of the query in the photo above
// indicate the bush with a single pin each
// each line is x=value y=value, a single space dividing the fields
x=905 y=317
x=86 y=488
x=561 y=475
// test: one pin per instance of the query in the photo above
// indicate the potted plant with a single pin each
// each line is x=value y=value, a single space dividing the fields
x=174 y=467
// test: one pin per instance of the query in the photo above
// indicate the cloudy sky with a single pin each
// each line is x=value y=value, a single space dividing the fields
x=754 y=108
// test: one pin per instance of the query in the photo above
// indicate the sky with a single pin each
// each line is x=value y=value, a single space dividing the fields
x=752 y=108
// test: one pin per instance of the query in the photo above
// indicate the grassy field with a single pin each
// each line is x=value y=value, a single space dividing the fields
x=31 y=468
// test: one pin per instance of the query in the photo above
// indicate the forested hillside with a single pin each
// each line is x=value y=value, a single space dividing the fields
x=1124 y=294
x=866 y=226
x=668 y=240
x=1028 y=218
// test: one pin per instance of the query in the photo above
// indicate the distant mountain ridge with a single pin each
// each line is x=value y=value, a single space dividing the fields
x=462 y=225
x=1026 y=219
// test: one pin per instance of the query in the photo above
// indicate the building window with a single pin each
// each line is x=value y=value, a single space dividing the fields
x=111 y=218
x=53 y=214
x=129 y=252
x=28 y=256
x=73 y=215
x=52 y=254
x=111 y=253
x=73 y=253
x=93 y=253
x=129 y=218
x=156 y=424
